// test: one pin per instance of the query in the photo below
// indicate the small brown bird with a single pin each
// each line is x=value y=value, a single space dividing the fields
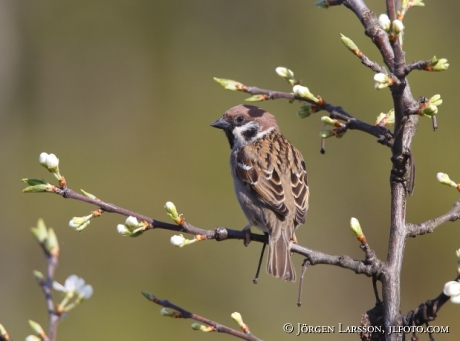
x=270 y=181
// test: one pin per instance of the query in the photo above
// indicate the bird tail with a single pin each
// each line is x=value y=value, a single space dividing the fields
x=279 y=262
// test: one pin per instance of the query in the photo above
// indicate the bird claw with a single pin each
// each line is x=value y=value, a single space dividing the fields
x=247 y=238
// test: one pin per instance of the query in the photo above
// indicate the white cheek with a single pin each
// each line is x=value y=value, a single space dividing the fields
x=240 y=139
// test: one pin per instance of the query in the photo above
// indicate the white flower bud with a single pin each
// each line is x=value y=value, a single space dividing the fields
x=284 y=72
x=131 y=222
x=123 y=230
x=445 y=180
x=452 y=289
x=178 y=240
x=302 y=91
x=398 y=26
x=384 y=22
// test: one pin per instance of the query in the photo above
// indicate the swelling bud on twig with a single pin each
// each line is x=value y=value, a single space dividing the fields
x=452 y=289
x=203 y=328
x=382 y=81
x=239 y=319
x=387 y=119
x=384 y=22
x=167 y=312
x=287 y=74
x=51 y=244
x=180 y=241
x=349 y=44
x=332 y=122
x=50 y=162
x=172 y=212
x=229 y=84
x=33 y=338
x=445 y=180
x=79 y=223
x=398 y=26
x=357 y=231
x=40 y=232
x=302 y=91
x=38 y=276
x=37 y=329
x=257 y=98
x=306 y=110
x=437 y=64
x=132 y=227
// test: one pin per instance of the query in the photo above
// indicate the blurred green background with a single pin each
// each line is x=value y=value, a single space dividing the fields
x=122 y=93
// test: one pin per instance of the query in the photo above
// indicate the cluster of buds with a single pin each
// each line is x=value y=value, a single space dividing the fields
x=75 y=292
x=80 y=223
x=445 y=180
x=132 y=227
x=287 y=74
x=46 y=238
x=338 y=132
x=386 y=120
x=51 y=163
x=438 y=65
x=430 y=107
x=382 y=81
x=394 y=28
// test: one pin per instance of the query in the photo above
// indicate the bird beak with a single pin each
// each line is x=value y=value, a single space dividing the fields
x=220 y=123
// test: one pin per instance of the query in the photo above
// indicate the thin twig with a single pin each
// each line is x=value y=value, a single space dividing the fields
x=182 y=313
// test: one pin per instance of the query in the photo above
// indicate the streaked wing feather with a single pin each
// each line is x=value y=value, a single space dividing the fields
x=263 y=180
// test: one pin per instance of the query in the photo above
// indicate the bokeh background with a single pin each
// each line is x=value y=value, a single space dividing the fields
x=122 y=93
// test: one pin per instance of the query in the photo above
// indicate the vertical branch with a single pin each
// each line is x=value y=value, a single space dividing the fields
x=54 y=317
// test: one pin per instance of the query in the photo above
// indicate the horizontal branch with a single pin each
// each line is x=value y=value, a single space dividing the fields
x=383 y=135
x=369 y=267
x=414 y=230
x=182 y=313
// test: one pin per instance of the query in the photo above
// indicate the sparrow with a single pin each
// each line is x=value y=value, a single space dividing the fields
x=270 y=181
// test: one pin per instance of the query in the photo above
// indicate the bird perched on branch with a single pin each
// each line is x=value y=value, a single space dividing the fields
x=270 y=181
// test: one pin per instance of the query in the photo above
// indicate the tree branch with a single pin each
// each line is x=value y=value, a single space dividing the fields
x=182 y=313
x=414 y=230
x=372 y=266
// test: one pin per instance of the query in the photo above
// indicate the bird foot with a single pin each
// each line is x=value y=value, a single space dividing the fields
x=247 y=238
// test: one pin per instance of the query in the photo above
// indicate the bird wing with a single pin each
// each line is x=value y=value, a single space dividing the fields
x=261 y=166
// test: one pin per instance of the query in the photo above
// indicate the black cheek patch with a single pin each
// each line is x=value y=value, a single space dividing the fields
x=249 y=134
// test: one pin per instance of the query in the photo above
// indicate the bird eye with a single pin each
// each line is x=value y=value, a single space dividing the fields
x=239 y=119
